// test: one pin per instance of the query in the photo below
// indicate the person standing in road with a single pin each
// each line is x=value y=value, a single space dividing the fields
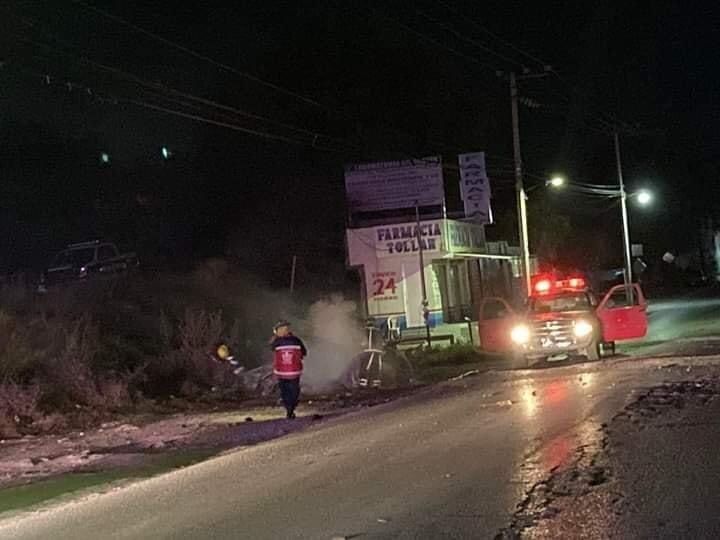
x=289 y=351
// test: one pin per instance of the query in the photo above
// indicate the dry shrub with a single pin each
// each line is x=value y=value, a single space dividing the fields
x=50 y=423
x=115 y=394
x=20 y=403
x=186 y=368
x=198 y=333
x=68 y=376
x=16 y=352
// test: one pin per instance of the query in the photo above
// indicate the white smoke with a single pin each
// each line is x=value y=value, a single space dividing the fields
x=334 y=337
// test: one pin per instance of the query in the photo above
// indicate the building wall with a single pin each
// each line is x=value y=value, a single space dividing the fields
x=389 y=258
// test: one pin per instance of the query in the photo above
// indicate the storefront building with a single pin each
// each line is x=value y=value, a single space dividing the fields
x=460 y=268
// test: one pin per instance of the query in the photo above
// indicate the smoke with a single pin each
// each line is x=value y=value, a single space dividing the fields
x=335 y=336
x=330 y=327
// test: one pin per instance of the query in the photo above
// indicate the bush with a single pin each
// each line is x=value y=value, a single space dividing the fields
x=104 y=345
x=186 y=368
x=20 y=403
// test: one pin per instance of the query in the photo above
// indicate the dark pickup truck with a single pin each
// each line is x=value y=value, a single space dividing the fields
x=86 y=260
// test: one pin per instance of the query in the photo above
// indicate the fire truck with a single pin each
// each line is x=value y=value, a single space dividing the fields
x=563 y=318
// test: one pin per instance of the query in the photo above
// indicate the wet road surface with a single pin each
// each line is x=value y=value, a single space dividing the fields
x=532 y=453
x=624 y=448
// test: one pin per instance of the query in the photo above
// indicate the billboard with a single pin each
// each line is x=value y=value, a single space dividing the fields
x=475 y=187
x=392 y=185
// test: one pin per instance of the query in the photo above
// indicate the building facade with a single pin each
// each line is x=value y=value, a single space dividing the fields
x=459 y=267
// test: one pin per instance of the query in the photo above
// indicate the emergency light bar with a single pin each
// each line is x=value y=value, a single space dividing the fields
x=544 y=284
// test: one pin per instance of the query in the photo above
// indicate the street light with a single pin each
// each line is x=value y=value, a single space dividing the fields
x=644 y=197
x=556 y=181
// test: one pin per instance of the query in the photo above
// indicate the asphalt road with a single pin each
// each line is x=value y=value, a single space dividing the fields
x=624 y=448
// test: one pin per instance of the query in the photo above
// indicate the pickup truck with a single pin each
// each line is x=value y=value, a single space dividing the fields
x=562 y=318
x=85 y=260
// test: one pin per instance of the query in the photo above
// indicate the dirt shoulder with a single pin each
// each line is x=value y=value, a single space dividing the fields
x=136 y=442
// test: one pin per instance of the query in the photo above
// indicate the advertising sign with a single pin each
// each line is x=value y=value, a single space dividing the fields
x=392 y=185
x=465 y=237
x=475 y=187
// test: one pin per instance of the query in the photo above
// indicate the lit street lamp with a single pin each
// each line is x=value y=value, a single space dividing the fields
x=644 y=197
x=556 y=181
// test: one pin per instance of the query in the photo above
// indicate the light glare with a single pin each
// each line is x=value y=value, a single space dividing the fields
x=644 y=197
x=520 y=334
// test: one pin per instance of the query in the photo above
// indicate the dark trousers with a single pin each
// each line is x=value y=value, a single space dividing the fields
x=290 y=393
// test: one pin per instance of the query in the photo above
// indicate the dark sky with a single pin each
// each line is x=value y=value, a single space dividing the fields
x=391 y=79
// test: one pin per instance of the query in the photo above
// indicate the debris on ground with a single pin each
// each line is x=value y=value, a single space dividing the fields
x=131 y=441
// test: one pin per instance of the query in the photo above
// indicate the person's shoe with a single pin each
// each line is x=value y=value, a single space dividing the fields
x=291 y=415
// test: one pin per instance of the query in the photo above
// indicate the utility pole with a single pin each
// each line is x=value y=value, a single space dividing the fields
x=520 y=188
x=626 y=227
x=421 y=260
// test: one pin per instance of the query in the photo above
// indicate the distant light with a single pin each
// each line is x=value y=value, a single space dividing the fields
x=644 y=197
x=105 y=157
x=166 y=153
x=557 y=181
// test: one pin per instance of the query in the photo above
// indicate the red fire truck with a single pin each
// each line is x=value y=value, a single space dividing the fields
x=563 y=318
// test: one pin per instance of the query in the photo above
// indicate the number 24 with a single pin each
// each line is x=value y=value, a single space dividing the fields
x=380 y=286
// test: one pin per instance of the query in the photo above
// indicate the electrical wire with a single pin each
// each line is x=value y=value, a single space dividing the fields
x=492 y=34
x=436 y=43
x=201 y=56
x=611 y=126
x=105 y=98
x=462 y=37
x=163 y=88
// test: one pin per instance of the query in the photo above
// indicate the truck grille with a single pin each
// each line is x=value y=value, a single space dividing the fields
x=557 y=333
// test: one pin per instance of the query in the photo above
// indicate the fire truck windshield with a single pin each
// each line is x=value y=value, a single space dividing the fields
x=571 y=301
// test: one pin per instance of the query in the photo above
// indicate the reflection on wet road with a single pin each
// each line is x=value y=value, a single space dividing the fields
x=504 y=454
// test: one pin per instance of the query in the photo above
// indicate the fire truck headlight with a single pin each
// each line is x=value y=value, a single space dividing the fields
x=582 y=328
x=520 y=334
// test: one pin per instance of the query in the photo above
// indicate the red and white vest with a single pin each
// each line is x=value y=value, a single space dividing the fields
x=288 y=361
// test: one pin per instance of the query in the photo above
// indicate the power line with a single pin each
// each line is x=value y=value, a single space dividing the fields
x=467 y=39
x=210 y=121
x=157 y=87
x=611 y=125
x=162 y=89
x=144 y=104
x=492 y=34
x=425 y=37
x=201 y=56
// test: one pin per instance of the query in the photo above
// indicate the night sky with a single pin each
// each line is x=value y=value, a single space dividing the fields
x=348 y=81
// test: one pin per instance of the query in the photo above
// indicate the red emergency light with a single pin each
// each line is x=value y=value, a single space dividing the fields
x=542 y=283
x=576 y=283
x=546 y=284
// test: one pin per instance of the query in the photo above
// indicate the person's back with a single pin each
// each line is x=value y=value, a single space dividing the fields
x=289 y=351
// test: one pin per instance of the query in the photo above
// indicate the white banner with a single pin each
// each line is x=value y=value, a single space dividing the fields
x=392 y=185
x=475 y=187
